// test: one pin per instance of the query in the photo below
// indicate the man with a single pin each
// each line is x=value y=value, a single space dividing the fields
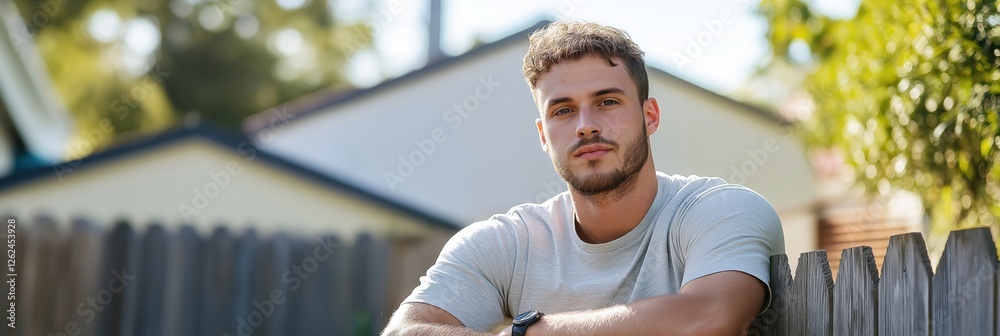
x=626 y=250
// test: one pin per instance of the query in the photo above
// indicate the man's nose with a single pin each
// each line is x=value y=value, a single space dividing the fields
x=587 y=126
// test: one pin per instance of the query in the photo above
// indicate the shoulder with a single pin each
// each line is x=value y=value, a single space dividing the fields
x=684 y=188
x=702 y=190
x=729 y=197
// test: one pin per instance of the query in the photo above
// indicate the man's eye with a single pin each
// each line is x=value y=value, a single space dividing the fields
x=608 y=102
x=561 y=111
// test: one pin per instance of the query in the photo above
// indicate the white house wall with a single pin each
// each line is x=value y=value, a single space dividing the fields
x=150 y=186
x=486 y=163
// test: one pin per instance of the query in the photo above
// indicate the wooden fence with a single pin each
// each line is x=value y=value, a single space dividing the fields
x=86 y=281
x=90 y=281
x=959 y=299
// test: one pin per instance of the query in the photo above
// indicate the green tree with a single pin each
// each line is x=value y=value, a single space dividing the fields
x=908 y=92
x=218 y=58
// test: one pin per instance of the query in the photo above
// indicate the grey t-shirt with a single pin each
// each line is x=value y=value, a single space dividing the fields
x=532 y=258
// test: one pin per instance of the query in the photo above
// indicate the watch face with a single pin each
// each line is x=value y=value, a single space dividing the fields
x=526 y=316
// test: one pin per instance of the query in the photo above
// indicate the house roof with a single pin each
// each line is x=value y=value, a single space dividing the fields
x=231 y=141
x=322 y=100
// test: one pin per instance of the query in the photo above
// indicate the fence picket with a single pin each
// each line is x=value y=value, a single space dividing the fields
x=812 y=295
x=216 y=285
x=964 y=284
x=774 y=321
x=905 y=287
x=155 y=254
x=183 y=293
x=38 y=278
x=246 y=317
x=116 y=315
x=856 y=293
x=275 y=257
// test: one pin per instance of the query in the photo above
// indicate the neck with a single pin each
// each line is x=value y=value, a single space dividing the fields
x=605 y=217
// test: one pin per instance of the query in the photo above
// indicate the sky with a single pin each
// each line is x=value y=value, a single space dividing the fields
x=714 y=44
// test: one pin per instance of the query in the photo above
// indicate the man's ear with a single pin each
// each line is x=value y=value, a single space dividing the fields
x=541 y=134
x=651 y=114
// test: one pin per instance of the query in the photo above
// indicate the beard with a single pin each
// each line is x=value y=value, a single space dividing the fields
x=636 y=154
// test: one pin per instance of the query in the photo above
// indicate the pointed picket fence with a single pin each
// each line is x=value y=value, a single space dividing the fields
x=94 y=281
x=89 y=280
x=958 y=299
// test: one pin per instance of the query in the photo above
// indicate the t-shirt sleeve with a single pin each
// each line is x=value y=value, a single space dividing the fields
x=471 y=276
x=728 y=228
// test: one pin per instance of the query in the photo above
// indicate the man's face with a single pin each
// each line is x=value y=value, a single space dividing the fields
x=592 y=124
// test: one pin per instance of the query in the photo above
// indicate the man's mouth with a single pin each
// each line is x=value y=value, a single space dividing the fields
x=592 y=151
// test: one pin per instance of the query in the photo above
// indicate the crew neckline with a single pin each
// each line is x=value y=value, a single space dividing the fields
x=623 y=241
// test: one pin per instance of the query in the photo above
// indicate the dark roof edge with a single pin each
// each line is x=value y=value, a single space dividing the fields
x=226 y=139
x=315 y=103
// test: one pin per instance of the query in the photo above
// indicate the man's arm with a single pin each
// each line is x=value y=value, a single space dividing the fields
x=425 y=319
x=723 y=303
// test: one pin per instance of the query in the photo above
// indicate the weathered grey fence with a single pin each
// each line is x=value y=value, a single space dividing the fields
x=90 y=281
x=959 y=299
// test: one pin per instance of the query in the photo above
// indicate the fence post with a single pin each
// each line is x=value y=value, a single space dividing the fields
x=904 y=291
x=774 y=321
x=275 y=260
x=183 y=291
x=81 y=277
x=812 y=296
x=155 y=256
x=369 y=262
x=246 y=315
x=856 y=293
x=117 y=316
x=964 y=285
x=216 y=285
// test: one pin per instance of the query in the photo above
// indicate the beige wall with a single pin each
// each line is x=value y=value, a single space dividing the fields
x=152 y=186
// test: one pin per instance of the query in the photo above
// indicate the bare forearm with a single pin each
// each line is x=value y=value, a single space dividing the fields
x=431 y=329
x=665 y=315
x=723 y=303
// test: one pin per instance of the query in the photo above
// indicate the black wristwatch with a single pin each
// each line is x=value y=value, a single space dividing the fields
x=521 y=322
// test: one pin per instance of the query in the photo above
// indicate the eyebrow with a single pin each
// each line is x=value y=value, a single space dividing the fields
x=597 y=93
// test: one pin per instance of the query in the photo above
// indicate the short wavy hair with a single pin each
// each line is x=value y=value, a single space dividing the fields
x=566 y=41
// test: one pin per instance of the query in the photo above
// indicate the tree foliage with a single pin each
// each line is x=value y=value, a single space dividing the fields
x=208 y=69
x=908 y=92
